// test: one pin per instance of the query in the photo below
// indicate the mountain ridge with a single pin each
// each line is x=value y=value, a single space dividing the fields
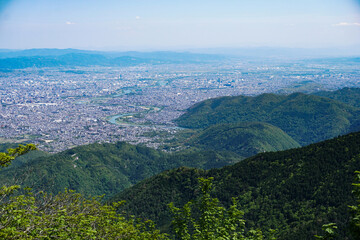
x=306 y=118
x=350 y=96
x=98 y=169
x=244 y=138
x=294 y=191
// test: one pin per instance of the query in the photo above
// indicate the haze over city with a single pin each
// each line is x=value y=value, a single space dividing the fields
x=58 y=96
x=248 y=110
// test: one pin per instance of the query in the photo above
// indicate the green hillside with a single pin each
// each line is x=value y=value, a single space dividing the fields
x=246 y=138
x=295 y=191
x=306 y=118
x=350 y=96
x=98 y=169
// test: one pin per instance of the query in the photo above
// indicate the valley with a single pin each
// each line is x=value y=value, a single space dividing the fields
x=180 y=120
x=66 y=106
x=285 y=144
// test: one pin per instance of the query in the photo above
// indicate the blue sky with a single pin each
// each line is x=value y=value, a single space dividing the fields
x=178 y=24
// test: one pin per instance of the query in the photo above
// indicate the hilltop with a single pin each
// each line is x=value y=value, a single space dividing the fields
x=350 y=96
x=305 y=118
x=244 y=138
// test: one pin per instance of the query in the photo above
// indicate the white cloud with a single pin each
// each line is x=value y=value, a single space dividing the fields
x=137 y=17
x=69 y=23
x=345 y=24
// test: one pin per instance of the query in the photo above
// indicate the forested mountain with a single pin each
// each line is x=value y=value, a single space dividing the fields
x=99 y=169
x=294 y=191
x=350 y=96
x=244 y=138
x=72 y=57
x=306 y=118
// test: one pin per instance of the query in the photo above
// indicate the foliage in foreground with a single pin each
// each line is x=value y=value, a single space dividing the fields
x=294 y=191
x=66 y=216
x=210 y=221
x=329 y=229
x=355 y=209
x=7 y=157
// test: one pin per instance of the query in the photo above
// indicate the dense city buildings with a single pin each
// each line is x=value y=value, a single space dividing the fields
x=58 y=108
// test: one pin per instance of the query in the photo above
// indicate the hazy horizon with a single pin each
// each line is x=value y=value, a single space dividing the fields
x=142 y=25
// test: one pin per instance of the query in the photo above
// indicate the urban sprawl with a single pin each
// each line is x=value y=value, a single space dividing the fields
x=58 y=108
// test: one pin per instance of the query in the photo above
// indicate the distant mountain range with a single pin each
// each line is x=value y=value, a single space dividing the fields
x=72 y=57
x=47 y=57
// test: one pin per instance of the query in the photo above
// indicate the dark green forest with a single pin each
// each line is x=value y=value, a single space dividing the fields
x=289 y=160
x=244 y=138
x=350 y=96
x=99 y=169
x=305 y=118
x=294 y=191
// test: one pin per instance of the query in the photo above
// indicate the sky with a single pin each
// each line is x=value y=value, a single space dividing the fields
x=178 y=24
